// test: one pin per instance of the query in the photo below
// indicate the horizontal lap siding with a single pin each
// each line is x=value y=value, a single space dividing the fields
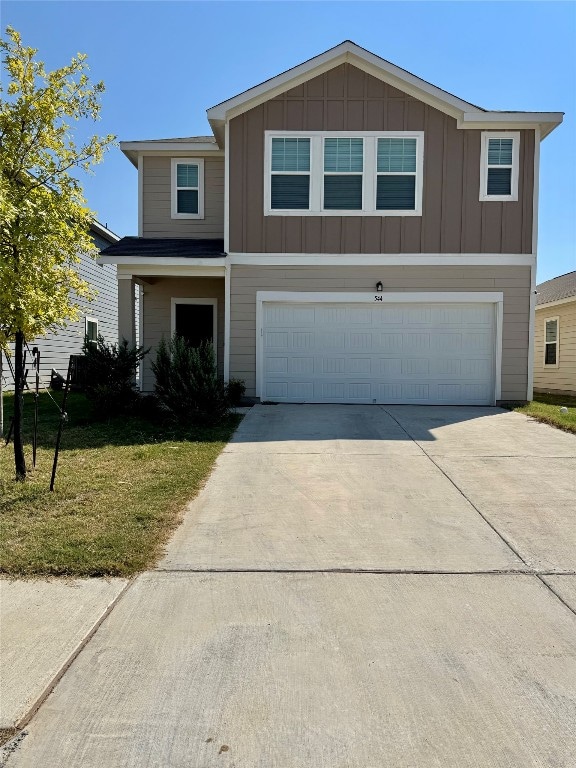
x=156 y=206
x=156 y=313
x=453 y=220
x=514 y=282
x=56 y=348
x=563 y=378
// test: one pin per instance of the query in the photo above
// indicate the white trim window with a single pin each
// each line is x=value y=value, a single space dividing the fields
x=187 y=184
x=499 y=166
x=551 y=342
x=344 y=173
x=91 y=330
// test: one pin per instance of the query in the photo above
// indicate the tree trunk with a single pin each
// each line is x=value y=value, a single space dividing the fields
x=19 y=461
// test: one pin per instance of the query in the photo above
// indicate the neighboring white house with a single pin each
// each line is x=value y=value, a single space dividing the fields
x=99 y=316
x=555 y=336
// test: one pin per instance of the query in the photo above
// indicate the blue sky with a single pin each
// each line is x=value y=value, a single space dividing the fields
x=165 y=63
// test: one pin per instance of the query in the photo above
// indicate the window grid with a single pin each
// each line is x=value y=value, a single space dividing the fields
x=499 y=167
x=343 y=159
x=551 y=335
x=187 y=188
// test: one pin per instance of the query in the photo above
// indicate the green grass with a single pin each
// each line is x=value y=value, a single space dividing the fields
x=120 y=490
x=546 y=408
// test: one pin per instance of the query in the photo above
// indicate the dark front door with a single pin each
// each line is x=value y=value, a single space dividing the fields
x=195 y=323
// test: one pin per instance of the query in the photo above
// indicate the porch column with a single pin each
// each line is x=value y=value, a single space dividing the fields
x=126 y=309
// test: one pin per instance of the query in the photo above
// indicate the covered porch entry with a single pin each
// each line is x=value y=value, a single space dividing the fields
x=179 y=290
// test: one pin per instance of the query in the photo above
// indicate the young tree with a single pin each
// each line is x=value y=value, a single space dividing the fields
x=44 y=219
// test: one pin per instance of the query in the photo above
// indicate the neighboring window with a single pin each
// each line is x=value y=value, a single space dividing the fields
x=187 y=188
x=321 y=173
x=343 y=167
x=91 y=330
x=551 y=341
x=396 y=167
x=290 y=182
x=499 y=166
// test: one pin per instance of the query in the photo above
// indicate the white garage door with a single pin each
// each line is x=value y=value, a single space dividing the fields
x=378 y=353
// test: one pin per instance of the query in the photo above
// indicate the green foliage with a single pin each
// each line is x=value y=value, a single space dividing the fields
x=44 y=219
x=109 y=373
x=187 y=383
x=235 y=390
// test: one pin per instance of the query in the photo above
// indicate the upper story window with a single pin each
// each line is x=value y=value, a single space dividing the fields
x=551 y=341
x=187 y=188
x=499 y=160
x=345 y=173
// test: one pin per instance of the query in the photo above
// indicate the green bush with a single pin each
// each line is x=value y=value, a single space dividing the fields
x=187 y=383
x=235 y=390
x=109 y=374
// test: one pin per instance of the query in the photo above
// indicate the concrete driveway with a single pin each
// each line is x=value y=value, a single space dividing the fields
x=355 y=586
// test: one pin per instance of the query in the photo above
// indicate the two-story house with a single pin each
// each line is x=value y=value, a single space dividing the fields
x=349 y=233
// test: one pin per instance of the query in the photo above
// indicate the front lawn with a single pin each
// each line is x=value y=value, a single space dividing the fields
x=546 y=408
x=120 y=491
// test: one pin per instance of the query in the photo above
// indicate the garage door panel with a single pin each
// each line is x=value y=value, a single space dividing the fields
x=389 y=354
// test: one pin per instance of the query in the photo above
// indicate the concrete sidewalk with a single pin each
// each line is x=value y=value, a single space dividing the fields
x=43 y=626
x=355 y=586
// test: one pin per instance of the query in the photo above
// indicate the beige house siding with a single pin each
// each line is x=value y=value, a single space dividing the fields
x=514 y=282
x=562 y=378
x=345 y=98
x=157 y=307
x=156 y=202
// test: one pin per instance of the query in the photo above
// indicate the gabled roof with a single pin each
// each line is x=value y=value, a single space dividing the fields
x=468 y=115
x=557 y=289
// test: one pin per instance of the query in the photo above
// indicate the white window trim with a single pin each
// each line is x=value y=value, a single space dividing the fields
x=173 y=186
x=369 y=175
x=91 y=320
x=557 y=342
x=513 y=196
x=445 y=297
x=204 y=302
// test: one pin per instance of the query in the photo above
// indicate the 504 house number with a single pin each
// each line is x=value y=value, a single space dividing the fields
x=378 y=297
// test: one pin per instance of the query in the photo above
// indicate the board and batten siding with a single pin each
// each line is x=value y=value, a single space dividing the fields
x=563 y=378
x=157 y=318
x=157 y=218
x=56 y=348
x=348 y=99
x=514 y=282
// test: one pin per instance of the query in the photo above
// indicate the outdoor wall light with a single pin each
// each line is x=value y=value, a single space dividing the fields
x=379 y=286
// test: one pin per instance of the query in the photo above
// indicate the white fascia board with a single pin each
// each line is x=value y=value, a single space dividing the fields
x=104 y=232
x=168 y=146
x=134 y=149
x=557 y=303
x=383 y=259
x=346 y=52
x=142 y=270
x=546 y=122
x=176 y=261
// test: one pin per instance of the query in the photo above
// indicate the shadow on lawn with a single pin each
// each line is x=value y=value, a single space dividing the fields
x=83 y=430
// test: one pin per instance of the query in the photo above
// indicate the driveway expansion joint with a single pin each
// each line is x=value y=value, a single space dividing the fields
x=482 y=515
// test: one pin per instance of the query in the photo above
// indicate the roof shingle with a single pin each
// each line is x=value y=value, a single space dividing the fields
x=168 y=247
x=561 y=287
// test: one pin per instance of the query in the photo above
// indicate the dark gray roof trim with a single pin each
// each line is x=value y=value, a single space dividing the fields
x=173 y=247
x=562 y=287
